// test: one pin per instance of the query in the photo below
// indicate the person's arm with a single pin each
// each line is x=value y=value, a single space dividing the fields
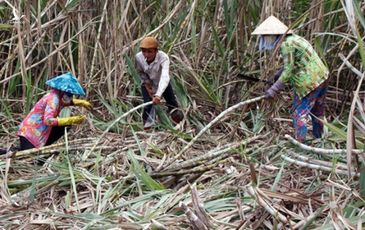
x=287 y=52
x=145 y=80
x=71 y=101
x=82 y=103
x=278 y=73
x=51 y=118
x=74 y=120
x=165 y=78
x=284 y=74
x=51 y=111
x=137 y=63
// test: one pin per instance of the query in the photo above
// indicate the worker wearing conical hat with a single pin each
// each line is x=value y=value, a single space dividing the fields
x=42 y=126
x=153 y=66
x=303 y=70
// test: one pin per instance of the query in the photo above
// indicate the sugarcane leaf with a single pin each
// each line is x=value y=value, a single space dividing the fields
x=141 y=174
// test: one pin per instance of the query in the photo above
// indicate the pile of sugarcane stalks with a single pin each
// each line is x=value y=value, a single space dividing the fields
x=206 y=161
x=159 y=180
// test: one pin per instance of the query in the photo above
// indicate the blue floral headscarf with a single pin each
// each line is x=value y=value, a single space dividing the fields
x=66 y=83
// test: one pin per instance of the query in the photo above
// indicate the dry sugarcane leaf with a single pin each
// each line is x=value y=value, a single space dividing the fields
x=199 y=207
x=194 y=220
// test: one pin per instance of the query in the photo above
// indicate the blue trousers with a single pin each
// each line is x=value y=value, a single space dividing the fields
x=312 y=105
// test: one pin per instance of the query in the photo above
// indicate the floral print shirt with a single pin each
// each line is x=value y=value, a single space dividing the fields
x=302 y=66
x=37 y=126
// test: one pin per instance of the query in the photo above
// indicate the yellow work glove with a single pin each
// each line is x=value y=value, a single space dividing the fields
x=83 y=103
x=75 y=120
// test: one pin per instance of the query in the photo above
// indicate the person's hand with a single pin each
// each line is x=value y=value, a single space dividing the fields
x=82 y=103
x=274 y=89
x=270 y=94
x=156 y=100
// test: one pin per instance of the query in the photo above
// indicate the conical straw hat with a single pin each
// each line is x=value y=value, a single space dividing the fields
x=66 y=83
x=271 y=25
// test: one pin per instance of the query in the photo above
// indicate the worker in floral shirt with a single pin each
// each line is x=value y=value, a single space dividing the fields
x=42 y=126
x=153 y=67
x=303 y=70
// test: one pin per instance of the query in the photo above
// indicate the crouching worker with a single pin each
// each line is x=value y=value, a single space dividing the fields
x=303 y=69
x=153 y=68
x=42 y=126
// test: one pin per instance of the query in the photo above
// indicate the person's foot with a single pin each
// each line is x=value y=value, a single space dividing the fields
x=148 y=125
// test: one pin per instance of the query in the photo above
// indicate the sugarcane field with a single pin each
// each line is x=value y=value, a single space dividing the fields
x=155 y=114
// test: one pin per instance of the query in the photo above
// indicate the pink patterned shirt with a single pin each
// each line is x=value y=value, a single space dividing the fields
x=37 y=126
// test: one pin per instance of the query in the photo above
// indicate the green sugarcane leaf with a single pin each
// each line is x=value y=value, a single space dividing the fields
x=141 y=174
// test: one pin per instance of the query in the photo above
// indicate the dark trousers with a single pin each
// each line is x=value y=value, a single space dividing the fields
x=56 y=133
x=168 y=95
